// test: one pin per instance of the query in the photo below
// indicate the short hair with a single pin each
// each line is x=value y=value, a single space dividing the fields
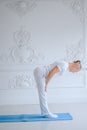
x=77 y=61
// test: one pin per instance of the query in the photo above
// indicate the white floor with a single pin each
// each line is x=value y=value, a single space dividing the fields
x=77 y=110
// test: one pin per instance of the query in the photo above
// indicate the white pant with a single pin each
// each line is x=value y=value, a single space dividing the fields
x=39 y=75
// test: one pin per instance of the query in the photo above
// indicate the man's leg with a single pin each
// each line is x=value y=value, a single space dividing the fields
x=40 y=80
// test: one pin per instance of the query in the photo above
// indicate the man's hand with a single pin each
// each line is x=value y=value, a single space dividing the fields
x=46 y=84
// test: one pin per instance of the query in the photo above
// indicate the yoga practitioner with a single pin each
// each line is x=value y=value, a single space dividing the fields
x=43 y=74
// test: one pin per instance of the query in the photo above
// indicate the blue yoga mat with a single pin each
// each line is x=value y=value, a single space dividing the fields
x=33 y=118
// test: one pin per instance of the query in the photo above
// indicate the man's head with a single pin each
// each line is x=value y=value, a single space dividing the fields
x=75 y=66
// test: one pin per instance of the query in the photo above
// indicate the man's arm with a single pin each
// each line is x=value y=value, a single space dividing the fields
x=51 y=74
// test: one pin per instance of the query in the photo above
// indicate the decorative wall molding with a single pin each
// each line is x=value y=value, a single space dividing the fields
x=21 y=7
x=77 y=7
x=21 y=81
x=22 y=51
x=75 y=52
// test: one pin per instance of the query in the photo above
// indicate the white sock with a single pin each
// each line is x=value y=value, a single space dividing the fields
x=51 y=115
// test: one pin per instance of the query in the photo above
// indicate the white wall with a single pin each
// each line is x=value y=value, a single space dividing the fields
x=36 y=33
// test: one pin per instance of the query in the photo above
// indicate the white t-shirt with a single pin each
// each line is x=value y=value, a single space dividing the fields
x=62 y=65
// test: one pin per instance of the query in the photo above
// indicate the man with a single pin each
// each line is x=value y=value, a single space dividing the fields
x=43 y=75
